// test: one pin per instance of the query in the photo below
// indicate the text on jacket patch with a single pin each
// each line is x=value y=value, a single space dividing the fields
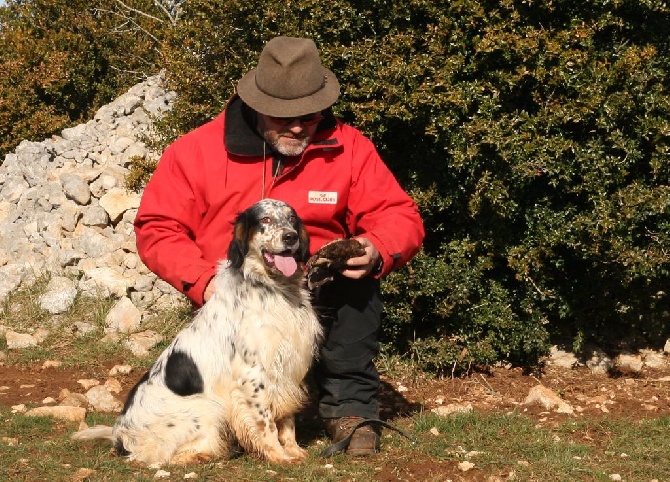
x=322 y=197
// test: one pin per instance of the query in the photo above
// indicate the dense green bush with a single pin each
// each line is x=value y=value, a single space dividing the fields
x=62 y=60
x=533 y=135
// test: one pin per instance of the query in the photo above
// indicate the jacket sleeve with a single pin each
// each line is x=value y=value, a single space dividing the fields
x=381 y=210
x=169 y=213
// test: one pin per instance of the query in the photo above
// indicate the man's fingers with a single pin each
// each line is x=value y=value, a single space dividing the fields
x=359 y=261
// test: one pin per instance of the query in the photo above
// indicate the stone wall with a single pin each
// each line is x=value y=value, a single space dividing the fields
x=64 y=210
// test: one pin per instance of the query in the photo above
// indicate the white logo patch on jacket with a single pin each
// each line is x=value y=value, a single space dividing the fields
x=322 y=197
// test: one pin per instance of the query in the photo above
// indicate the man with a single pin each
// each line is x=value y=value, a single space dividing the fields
x=278 y=138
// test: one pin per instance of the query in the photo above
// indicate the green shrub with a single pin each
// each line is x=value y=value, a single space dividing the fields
x=62 y=60
x=534 y=135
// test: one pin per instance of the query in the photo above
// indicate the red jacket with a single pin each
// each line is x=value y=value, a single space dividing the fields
x=339 y=187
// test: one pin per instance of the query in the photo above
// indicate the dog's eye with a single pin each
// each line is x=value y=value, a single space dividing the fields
x=266 y=220
x=293 y=219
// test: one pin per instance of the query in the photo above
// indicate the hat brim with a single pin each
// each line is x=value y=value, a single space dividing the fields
x=276 y=107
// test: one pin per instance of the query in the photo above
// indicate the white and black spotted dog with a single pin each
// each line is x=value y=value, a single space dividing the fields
x=235 y=374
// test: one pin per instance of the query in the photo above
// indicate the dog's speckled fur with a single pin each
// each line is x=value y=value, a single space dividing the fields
x=235 y=373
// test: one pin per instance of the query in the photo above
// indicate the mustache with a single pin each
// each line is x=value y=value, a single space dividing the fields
x=290 y=135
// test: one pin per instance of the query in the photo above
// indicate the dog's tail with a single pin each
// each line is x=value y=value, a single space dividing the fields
x=97 y=432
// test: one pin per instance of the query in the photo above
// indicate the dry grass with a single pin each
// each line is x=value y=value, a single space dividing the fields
x=500 y=446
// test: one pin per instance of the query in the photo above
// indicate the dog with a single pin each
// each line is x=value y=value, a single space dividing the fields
x=234 y=376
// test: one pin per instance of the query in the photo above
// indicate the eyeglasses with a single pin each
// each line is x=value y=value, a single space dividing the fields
x=307 y=120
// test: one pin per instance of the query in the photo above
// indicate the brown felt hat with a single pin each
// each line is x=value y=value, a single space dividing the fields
x=289 y=80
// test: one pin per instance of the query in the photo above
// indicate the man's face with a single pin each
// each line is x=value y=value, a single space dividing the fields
x=289 y=136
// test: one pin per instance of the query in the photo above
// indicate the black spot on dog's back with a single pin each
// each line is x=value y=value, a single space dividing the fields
x=182 y=375
x=133 y=391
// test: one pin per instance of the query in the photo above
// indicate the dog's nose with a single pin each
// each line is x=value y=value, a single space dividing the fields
x=290 y=238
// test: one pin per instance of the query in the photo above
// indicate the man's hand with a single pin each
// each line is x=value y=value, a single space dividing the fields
x=209 y=291
x=362 y=266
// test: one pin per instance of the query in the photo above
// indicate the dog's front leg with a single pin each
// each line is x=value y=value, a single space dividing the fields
x=255 y=429
x=286 y=434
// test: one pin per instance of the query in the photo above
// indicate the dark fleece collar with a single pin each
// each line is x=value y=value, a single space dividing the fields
x=240 y=135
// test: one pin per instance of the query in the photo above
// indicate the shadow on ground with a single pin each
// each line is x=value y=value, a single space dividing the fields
x=393 y=404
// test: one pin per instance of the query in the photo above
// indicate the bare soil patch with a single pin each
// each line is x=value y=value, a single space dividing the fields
x=631 y=395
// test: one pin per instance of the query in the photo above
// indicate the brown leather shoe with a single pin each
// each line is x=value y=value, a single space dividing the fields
x=366 y=440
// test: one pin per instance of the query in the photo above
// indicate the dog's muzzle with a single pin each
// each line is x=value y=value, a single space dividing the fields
x=284 y=261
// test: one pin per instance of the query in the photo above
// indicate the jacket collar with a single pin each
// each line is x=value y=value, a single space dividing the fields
x=241 y=137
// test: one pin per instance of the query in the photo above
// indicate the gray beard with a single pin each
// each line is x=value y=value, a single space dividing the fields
x=286 y=150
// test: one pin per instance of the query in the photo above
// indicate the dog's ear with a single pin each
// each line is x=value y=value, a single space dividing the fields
x=239 y=246
x=303 y=252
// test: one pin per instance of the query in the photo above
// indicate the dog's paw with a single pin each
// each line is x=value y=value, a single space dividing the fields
x=296 y=453
x=291 y=461
x=284 y=458
x=330 y=260
x=187 y=458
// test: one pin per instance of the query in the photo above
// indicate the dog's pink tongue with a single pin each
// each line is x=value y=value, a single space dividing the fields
x=286 y=264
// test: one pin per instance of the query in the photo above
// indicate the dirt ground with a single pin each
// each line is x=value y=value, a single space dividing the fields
x=633 y=395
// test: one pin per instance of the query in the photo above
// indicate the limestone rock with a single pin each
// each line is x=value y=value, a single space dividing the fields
x=547 y=399
x=59 y=295
x=70 y=414
x=76 y=188
x=562 y=358
x=102 y=400
x=117 y=201
x=599 y=362
x=452 y=408
x=64 y=210
x=141 y=343
x=124 y=317
x=17 y=341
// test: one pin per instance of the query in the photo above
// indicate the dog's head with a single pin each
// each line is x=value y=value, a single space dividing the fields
x=269 y=238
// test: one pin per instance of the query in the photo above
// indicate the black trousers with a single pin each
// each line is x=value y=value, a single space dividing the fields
x=345 y=374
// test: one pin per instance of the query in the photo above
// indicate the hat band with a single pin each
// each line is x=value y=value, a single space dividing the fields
x=272 y=94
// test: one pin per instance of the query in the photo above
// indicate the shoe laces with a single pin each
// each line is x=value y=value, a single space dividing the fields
x=348 y=424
